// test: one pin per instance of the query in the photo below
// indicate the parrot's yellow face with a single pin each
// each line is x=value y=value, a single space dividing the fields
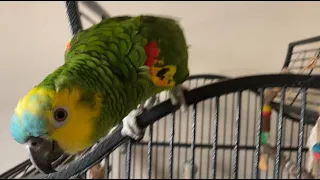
x=60 y=116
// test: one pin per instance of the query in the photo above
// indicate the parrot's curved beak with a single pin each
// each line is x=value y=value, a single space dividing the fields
x=43 y=153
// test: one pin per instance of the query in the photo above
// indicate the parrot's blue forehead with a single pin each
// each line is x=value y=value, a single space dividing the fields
x=29 y=123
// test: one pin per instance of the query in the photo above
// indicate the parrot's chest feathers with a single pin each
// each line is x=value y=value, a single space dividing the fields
x=160 y=73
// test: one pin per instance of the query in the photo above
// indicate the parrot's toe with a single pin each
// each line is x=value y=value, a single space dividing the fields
x=149 y=103
x=131 y=128
x=177 y=97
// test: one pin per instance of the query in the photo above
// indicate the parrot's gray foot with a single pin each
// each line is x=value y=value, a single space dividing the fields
x=130 y=126
x=177 y=97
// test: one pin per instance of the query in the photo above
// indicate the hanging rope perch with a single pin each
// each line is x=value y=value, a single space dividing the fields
x=73 y=16
x=96 y=8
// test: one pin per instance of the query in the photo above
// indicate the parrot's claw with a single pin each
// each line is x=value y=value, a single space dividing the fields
x=131 y=128
x=149 y=103
x=177 y=97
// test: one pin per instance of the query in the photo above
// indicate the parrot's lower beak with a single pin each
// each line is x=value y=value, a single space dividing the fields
x=43 y=153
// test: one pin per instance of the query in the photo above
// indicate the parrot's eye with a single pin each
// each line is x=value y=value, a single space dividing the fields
x=60 y=115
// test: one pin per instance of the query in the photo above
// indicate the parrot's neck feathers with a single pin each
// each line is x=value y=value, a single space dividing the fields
x=63 y=82
x=60 y=83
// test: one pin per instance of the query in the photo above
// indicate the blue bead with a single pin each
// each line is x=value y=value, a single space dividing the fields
x=316 y=148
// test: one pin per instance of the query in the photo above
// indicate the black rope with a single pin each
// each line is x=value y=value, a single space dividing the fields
x=96 y=8
x=73 y=16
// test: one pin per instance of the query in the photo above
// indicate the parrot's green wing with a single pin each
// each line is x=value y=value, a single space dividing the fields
x=128 y=59
x=114 y=50
x=114 y=40
x=121 y=42
x=78 y=35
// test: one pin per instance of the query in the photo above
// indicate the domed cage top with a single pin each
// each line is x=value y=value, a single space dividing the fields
x=226 y=133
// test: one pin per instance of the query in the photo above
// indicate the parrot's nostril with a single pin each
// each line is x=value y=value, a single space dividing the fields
x=35 y=142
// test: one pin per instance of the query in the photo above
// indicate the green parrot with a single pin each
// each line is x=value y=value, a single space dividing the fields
x=111 y=70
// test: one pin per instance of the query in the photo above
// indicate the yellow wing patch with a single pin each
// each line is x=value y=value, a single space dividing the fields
x=161 y=73
x=163 y=76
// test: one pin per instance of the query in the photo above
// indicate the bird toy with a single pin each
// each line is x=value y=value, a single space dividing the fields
x=266 y=116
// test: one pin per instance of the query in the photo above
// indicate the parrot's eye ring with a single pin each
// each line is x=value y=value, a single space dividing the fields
x=60 y=115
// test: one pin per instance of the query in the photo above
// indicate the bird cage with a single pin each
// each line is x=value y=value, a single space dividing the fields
x=244 y=127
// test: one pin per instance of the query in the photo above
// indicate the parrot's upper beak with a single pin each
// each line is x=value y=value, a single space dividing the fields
x=43 y=153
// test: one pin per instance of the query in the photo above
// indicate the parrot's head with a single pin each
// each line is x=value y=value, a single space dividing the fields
x=53 y=123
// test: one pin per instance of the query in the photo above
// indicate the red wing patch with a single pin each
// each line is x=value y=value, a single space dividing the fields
x=161 y=74
x=152 y=51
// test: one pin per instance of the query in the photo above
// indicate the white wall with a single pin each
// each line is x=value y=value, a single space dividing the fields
x=233 y=38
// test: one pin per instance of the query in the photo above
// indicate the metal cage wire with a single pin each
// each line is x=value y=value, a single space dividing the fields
x=219 y=137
